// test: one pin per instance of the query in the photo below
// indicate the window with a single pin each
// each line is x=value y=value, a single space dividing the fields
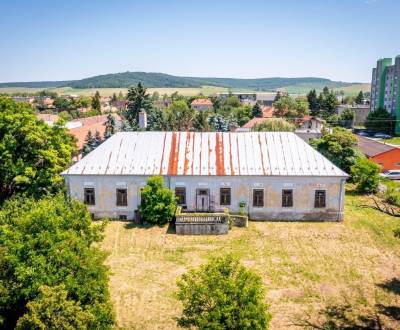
x=258 y=197
x=122 y=197
x=320 y=198
x=89 y=196
x=287 y=198
x=225 y=196
x=122 y=217
x=180 y=193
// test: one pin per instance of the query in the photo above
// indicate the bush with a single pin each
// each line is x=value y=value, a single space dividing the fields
x=392 y=196
x=50 y=242
x=222 y=294
x=366 y=175
x=158 y=202
x=274 y=125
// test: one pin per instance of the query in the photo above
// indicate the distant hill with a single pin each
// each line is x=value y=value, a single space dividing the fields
x=152 y=79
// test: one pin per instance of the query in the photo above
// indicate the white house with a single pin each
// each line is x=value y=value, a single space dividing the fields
x=201 y=104
x=277 y=175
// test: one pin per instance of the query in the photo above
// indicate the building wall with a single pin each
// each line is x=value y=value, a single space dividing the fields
x=241 y=190
x=389 y=160
x=201 y=107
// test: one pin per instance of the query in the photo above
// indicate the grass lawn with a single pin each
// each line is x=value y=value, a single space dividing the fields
x=393 y=140
x=306 y=268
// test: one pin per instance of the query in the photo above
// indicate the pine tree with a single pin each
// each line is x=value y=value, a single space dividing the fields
x=360 y=98
x=114 y=98
x=138 y=100
x=97 y=139
x=110 y=126
x=256 y=111
x=96 y=105
x=313 y=102
x=90 y=143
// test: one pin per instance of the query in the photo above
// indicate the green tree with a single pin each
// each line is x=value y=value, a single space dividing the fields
x=340 y=147
x=366 y=175
x=241 y=115
x=179 y=116
x=347 y=117
x=200 y=121
x=222 y=294
x=360 y=98
x=158 y=203
x=51 y=241
x=232 y=102
x=32 y=153
x=256 y=111
x=51 y=309
x=156 y=120
x=138 y=100
x=312 y=99
x=110 y=126
x=114 y=98
x=290 y=107
x=155 y=96
x=274 y=125
x=218 y=123
x=96 y=104
x=97 y=138
x=380 y=121
x=327 y=102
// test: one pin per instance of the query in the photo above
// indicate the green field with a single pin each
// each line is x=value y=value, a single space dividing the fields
x=205 y=90
x=309 y=269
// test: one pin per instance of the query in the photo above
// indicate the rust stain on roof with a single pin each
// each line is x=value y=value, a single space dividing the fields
x=163 y=151
x=173 y=156
x=219 y=149
x=187 y=151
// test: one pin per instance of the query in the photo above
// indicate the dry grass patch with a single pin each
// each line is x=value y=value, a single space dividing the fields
x=306 y=267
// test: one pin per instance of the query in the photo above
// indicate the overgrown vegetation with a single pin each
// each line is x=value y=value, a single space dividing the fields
x=274 y=125
x=32 y=153
x=158 y=203
x=49 y=264
x=222 y=294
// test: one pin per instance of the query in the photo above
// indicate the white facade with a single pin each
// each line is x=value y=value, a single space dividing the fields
x=256 y=163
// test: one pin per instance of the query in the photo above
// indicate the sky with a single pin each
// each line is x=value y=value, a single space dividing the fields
x=74 y=39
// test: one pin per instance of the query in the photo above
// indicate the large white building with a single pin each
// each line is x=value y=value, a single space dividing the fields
x=277 y=175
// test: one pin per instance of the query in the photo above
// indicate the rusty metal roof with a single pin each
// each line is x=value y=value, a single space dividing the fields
x=213 y=153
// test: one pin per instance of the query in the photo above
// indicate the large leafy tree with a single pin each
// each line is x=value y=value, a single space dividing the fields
x=222 y=294
x=52 y=309
x=274 y=125
x=51 y=242
x=138 y=100
x=291 y=107
x=179 y=116
x=380 y=121
x=200 y=121
x=340 y=147
x=366 y=175
x=32 y=153
x=241 y=115
x=158 y=203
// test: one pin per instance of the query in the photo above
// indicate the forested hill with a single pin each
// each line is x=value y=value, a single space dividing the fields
x=152 y=79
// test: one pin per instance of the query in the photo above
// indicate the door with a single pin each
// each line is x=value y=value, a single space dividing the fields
x=202 y=200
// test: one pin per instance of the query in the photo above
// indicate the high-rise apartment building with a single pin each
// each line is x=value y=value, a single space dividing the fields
x=385 y=88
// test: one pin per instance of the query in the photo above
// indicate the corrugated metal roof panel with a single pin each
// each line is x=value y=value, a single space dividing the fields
x=189 y=153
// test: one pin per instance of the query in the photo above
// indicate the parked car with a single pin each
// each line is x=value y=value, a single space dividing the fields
x=391 y=174
x=362 y=133
x=382 y=136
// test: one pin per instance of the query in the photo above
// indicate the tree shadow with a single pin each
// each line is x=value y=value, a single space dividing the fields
x=143 y=225
x=171 y=230
x=392 y=285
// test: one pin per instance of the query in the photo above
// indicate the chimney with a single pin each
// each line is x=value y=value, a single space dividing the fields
x=142 y=119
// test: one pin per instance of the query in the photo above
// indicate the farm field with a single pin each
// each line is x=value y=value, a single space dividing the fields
x=205 y=90
x=309 y=269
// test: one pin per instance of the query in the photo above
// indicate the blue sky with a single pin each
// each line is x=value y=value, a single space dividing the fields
x=336 y=39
